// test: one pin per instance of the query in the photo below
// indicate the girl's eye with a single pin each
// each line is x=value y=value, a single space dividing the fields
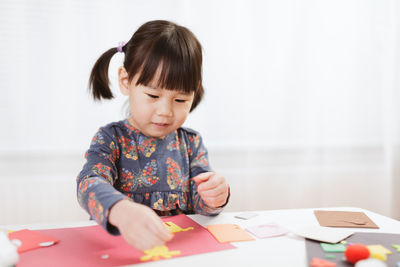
x=152 y=96
x=180 y=100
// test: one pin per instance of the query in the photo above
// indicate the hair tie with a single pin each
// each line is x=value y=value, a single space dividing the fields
x=120 y=46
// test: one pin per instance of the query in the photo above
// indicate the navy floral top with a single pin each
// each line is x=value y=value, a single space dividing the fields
x=123 y=163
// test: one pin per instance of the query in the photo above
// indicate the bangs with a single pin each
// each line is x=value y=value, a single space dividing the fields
x=172 y=62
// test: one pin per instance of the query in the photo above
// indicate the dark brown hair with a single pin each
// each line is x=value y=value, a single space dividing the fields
x=155 y=44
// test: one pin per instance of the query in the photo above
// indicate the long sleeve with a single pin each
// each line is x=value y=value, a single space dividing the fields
x=95 y=190
x=199 y=163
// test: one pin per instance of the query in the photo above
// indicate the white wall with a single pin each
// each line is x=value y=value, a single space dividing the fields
x=276 y=72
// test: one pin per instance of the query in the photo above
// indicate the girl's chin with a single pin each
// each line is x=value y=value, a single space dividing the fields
x=157 y=133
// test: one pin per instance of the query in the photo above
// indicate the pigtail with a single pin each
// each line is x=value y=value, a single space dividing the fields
x=99 y=83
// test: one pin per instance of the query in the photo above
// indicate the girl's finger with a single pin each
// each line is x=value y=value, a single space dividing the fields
x=159 y=230
x=211 y=185
x=219 y=195
x=148 y=239
x=202 y=177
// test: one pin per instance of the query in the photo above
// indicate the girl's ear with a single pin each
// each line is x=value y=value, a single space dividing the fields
x=123 y=79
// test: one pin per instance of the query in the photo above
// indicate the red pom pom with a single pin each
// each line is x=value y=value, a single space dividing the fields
x=356 y=252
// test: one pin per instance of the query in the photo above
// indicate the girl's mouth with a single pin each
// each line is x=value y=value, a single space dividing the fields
x=160 y=124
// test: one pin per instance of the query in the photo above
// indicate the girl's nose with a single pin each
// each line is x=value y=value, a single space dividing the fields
x=164 y=109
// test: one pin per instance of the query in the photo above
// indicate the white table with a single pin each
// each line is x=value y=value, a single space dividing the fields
x=288 y=250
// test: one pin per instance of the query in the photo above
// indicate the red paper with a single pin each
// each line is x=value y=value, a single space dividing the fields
x=30 y=239
x=317 y=262
x=93 y=246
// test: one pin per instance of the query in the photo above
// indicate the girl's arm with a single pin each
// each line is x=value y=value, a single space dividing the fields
x=139 y=225
x=210 y=191
x=95 y=190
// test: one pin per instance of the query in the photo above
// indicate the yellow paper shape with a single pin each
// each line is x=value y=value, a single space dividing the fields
x=378 y=249
x=378 y=256
x=226 y=233
x=175 y=228
x=159 y=252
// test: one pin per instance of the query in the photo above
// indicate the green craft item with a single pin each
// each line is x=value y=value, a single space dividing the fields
x=397 y=247
x=333 y=247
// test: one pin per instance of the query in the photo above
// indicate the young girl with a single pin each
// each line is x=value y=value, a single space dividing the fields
x=147 y=164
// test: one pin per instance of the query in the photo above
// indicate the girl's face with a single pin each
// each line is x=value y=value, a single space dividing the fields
x=155 y=112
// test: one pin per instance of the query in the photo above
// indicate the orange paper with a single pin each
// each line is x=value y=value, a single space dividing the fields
x=226 y=233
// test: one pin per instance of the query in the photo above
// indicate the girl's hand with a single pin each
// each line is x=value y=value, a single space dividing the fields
x=139 y=225
x=213 y=188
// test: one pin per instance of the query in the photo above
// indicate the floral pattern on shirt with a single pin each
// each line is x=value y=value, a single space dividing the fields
x=147 y=177
x=98 y=138
x=147 y=145
x=104 y=171
x=195 y=141
x=96 y=210
x=85 y=185
x=175 y=178
x=200 y=160
x=128 y=147
x=114 y=152
x=177 y=145
x=169 y=203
